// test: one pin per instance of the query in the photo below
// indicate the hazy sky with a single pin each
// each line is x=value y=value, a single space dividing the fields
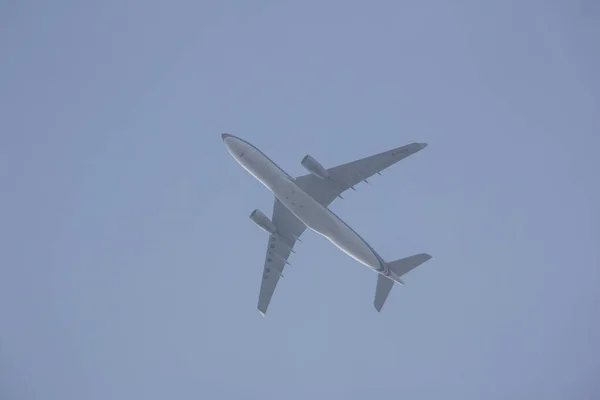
x=129 y=268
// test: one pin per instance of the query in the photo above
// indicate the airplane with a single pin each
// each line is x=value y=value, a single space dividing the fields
x=303 y=202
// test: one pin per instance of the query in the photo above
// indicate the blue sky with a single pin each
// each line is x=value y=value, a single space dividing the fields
x=129 y=267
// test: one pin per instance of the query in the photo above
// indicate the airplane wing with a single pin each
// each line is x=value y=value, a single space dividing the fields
x=281 y=244
x=346 y=176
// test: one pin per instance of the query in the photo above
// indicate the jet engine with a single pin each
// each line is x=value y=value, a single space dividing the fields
x=262 y=221
x=314 y=167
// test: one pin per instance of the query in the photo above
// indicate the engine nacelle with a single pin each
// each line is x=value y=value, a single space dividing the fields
x=314 y=167
x=263 y=221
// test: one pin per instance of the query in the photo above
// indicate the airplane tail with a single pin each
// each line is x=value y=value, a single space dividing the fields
x=397 y=269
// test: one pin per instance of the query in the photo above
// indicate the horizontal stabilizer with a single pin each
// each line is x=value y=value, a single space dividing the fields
x=384 y=286
x=397 y=268
x=404 y=265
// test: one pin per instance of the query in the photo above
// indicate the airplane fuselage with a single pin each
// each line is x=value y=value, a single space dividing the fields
x=312 y=213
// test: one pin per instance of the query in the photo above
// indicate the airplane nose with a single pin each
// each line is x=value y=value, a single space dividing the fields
x=230 y=143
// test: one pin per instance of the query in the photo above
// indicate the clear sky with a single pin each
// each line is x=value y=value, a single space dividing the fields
x=129 y=267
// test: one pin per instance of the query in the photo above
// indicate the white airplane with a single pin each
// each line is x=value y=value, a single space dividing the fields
x=303 y=202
